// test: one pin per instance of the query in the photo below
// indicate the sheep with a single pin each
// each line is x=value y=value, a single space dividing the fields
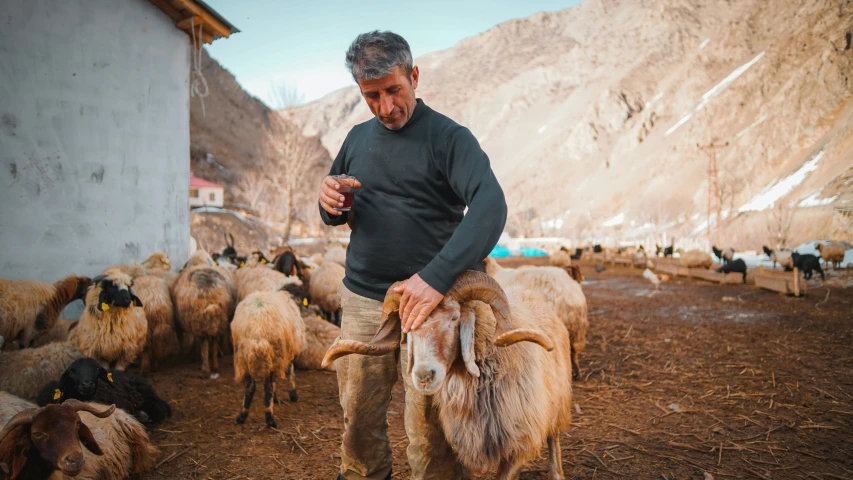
x=126 y=448
x=46 y=442
x=319 y=336
x=159 y=310
x=666 y=251
x=59 y=333
x=323 y=290
x=204 y=304
x=737 y=265
x=807 y=263
x=113 y=328
x=86 y=380
x=696 y=259
x=229 y=250
x=781 y=256
x=29 y=308
x=563 y=294
x=251 y=280
x=337 y=255
x=499 y=408
x=268 y=333
x=725 y=255
x=24 y=372
x=561 y=258
x=832 y=253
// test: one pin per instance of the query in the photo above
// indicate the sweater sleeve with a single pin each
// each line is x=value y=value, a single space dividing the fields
x=470 y=175
x=338 y=167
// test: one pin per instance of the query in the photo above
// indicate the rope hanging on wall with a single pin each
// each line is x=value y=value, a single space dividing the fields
x=198 y=88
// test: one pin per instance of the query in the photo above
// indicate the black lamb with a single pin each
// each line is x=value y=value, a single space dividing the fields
x=86 y=380
x=737 y=265
x=806 y=263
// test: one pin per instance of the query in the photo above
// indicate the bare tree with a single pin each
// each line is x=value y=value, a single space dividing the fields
x=779 y=224
x=283 y=95
x=281 y=179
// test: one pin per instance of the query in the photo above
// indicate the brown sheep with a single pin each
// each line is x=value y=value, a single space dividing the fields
x=319 y=336
x=29 y=308
x=156 y=299
x=696 y=259
x=268 y=333
x=59 y=333
x=257 y=279
x=204 y=304
x=24 y=372
x=832 y=253
x=113 y=329
x=323 y=290
x=510 y=396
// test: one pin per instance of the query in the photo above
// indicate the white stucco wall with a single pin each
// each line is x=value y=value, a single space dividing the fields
x=207 y=197
x=94 y=136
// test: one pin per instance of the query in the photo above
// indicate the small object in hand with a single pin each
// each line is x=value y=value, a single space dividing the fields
x=345 y=189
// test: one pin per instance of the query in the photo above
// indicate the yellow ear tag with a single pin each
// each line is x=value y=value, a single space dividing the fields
x=242 y=264
x=305 y=302
x=319 y=317
x=166 y=262
x=57 y=394
x=110 y=376
x=264 y=261
x=215 y=263
x=104 y=306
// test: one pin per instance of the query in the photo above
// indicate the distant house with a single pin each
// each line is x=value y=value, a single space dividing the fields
x=204 y=193
x=95 y=131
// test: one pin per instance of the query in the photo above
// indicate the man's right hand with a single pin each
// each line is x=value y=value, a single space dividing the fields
x=330 y=198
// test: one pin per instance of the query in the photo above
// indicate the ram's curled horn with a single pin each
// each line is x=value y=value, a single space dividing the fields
x=79 y=406
x=474 y=285
x=386 y=340
x=24 y=417
x=524 y=335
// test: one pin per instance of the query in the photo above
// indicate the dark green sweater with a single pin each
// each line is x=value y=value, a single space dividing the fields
x=408 y=215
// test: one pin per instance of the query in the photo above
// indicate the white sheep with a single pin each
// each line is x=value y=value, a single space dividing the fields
x=268 y=333
x=113 y=329
x=832 y=252
x=498 y=410
x=782 y=256
x=563 y=294
x=30 y=308
x=696 y=259
x=24 y=372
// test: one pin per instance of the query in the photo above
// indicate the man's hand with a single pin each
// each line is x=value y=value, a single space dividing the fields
x=330 y=198
x=419 y=300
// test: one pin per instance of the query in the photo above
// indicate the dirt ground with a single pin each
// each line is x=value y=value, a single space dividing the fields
x=695 y=380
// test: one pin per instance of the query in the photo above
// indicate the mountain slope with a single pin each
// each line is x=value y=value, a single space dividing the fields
x=592 y=115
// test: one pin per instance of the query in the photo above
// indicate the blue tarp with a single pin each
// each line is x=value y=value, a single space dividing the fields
x=502 y=252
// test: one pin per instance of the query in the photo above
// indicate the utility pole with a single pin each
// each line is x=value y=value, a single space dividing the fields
x=714 y=190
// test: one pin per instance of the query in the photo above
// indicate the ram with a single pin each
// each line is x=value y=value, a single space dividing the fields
x=511 y=396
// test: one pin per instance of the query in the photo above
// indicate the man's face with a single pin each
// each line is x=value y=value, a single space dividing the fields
x=392 y=97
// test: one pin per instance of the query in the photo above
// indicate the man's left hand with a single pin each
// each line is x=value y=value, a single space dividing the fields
x=418 y=301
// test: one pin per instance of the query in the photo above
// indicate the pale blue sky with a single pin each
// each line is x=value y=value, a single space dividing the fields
x=303 y=42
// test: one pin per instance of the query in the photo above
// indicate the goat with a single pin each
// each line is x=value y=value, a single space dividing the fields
x=37 y=442
x=86 y=380
x=781 y=256
x=737 y=265
x=496 y=404
x=725 y=255
x=806 y=264
x=30 y=308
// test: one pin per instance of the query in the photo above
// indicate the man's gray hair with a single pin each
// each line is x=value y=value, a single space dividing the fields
x=374 y=54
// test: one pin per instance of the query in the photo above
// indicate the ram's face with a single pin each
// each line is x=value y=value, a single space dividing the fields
x=434 y=347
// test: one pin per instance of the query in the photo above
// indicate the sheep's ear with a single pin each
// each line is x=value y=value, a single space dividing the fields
x=22 y=451
x=88 y=440
x=136 y=301
x=467 y=324
x=105 y=375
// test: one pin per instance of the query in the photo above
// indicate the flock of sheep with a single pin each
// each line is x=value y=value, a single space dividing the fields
x=67 y=403
x=274 y=316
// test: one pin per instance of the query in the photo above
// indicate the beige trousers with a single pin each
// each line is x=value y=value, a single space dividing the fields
x=365 y=385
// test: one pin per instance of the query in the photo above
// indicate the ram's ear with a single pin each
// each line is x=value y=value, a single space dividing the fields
x=88 y=440
x=22 y=451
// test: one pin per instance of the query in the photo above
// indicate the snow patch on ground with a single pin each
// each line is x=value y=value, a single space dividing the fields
x=617 y=220
x=813 y=200
x=757 y=122
x=704 y=44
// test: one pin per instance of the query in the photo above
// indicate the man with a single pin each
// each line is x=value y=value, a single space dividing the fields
x=416 y=171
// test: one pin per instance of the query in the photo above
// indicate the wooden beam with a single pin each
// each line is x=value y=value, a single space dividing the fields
x=212 y=22
x=190 y=22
